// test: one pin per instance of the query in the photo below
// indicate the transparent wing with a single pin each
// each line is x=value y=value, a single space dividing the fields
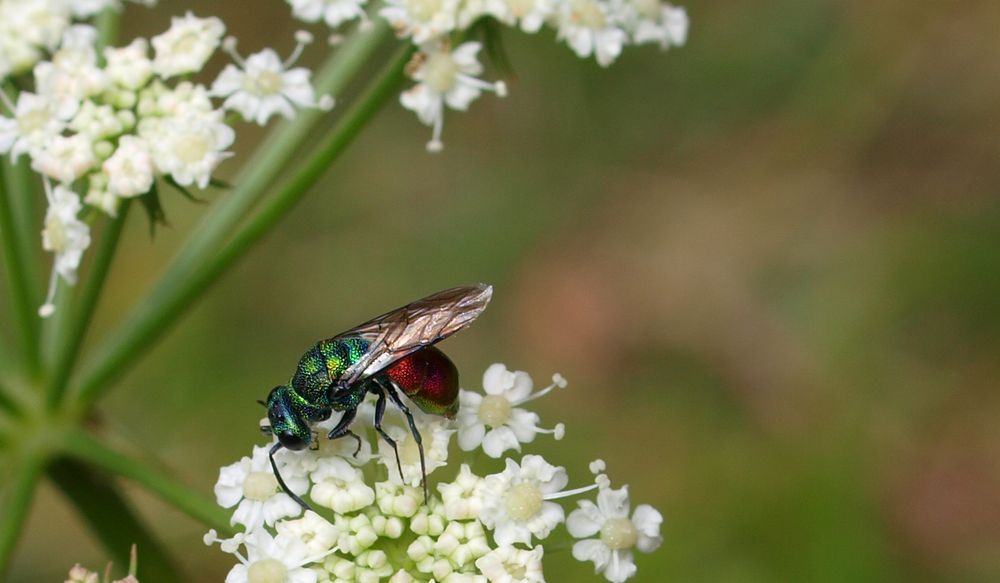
x=402 y=331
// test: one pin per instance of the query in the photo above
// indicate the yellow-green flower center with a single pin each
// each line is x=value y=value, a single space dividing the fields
x=619 y=534
x=440 y=72
x=263 y=84
x=267 y=571
x=523 y=501
x=192 y=148
x=494 y=410
x=259 y=486
x=32 y=121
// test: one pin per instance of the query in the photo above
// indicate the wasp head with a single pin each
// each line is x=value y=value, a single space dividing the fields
x=287 y=424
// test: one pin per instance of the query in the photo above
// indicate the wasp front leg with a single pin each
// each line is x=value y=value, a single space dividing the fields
x=342 y=429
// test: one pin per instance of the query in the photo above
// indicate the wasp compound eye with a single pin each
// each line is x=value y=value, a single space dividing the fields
x=293 y=441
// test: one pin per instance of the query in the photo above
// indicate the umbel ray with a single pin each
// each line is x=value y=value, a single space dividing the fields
x=387 y=356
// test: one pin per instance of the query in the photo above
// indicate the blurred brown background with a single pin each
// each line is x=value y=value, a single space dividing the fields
x=768 y=263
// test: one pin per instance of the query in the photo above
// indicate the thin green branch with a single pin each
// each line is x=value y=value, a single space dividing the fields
x=153 y=318
x=71 y=336
x=23 y=300
x=87 y=448
x=16 y=505
x=112 y=519
x=108 y=23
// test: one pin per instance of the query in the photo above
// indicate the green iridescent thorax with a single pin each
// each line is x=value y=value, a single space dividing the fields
x=324 y=363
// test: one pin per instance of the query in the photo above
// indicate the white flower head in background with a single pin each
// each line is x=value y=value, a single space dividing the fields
x=33 y=124
x=445 y=76
x=332 y=12
x=64 y=158
x=652 y=21
x=188 y=146
x=494 y=421
x=130 y=168
x=611 y=552
x=28 y=28
x=421 y=20
x=589 y=27
x=130 y=66
x=263 y=85
x=187 y=45
x=72 y=75
x=66 y=236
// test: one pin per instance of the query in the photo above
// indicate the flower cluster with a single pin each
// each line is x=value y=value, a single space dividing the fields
x=109 y=125
x=31 y=28
x=373 y=524
x=447 y=70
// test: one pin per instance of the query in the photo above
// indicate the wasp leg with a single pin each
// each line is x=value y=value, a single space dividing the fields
x=281 y=482
x=379 y=412
x=391 y=390
x=266 y=430
x=341 y=429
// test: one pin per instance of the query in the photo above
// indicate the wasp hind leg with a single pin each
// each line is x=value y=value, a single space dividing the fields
x=341 y=429
x=391 y=390
x=281 y=482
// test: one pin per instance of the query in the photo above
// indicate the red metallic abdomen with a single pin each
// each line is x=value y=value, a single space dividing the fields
x=429 y=379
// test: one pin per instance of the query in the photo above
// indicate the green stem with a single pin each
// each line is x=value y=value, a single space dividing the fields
x=71 y=337
x=18 y=273
x=112 y=519
x=154 y=317
x=108 y=23
x=8 y=403
x=85 y=447
x=16 y=505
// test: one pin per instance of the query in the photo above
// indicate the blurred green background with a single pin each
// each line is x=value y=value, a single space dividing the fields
x=768 y=263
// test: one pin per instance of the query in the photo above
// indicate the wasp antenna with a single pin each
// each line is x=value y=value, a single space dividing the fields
x=262 y=403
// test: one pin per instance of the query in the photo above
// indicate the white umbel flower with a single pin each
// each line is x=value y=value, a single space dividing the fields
x=340 y=486
x=130 y=168
x=188 y=146
x=282 y=558
x=332 y=12
x=263 y=85
x=508 y=564
x=446 y=77
x=64 y=158
x=251 y=486
x=27 y=29
x=421 y=20
x=651 y=21
x=589 y=28
x=514 y=501
x=611 y=553
x=34 y=124
x=493 y=420
x=66 y=236
x=187 y=45
x=72 y=75
x=435 y=436
x=129 y=67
